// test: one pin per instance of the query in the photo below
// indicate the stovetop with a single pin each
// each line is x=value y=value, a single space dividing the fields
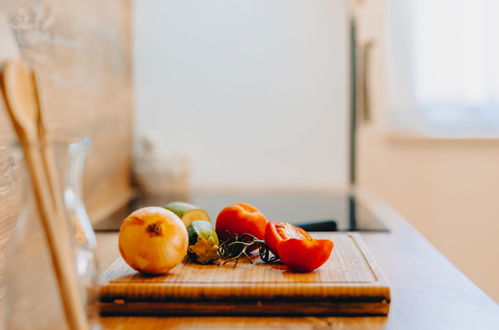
x=315 y=211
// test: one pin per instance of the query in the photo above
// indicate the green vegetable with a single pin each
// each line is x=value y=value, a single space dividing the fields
x=187 y=212
x=203 y=242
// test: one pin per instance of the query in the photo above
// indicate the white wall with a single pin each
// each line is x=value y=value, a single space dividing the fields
x=254 y=91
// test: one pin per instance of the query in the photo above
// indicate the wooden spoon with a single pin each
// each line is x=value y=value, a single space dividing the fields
x=21 y=98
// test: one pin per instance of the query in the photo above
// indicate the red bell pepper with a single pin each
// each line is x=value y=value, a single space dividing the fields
x=295 y=247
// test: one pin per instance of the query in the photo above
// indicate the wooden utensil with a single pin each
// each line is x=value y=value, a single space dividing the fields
x=21 y=97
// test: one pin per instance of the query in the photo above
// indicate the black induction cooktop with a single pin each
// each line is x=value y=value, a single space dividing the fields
x=313 y=211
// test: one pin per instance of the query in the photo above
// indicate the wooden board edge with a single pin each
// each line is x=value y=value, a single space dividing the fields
x=261 y=308
x=371 y=261
x=314 y=291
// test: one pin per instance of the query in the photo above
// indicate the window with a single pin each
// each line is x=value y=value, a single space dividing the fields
x=443 y=66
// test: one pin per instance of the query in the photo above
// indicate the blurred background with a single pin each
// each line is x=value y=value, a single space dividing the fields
x=397 y=97
x=261 y=94
x=255 y=93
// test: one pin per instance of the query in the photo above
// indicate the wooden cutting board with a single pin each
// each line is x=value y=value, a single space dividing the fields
x=349 y=283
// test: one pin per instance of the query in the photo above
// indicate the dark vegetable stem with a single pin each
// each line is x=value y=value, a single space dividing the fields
x=237 y=246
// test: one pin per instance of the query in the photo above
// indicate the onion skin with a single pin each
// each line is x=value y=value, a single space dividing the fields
x=153 y=240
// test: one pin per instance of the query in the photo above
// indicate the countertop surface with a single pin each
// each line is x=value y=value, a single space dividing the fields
x=428 y=292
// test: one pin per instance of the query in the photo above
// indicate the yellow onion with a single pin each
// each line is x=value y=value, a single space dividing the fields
x=153 y=240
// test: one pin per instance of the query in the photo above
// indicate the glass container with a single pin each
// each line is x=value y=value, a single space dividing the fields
x=32 y=297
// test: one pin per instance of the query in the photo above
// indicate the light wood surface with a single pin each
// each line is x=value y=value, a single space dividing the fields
x=349 y=283
x=428 y=292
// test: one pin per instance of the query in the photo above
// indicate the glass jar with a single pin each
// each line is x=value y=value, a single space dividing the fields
x=33 y=299
x=71 y=154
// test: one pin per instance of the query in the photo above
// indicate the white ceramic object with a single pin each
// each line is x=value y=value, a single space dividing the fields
x=157 y=174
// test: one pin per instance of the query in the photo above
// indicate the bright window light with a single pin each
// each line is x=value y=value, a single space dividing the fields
x=451 y=50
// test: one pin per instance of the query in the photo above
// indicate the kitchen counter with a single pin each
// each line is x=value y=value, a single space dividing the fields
x=428 y=292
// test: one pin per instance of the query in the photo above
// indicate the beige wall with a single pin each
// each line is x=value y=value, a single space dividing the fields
x=81 y=52
x=448 y=189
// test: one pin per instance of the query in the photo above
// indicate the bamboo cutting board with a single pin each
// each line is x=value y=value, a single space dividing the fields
x=349 y=283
